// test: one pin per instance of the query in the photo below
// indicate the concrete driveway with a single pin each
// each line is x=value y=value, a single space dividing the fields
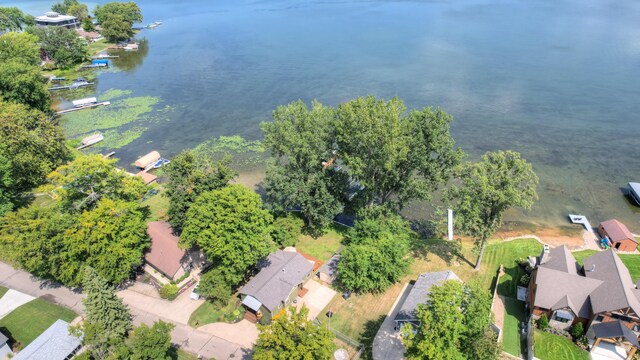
x=243 y=333
x=11 y=300
x=178 y=310
x=607 y=351
x=387 y=344
x=316 y=299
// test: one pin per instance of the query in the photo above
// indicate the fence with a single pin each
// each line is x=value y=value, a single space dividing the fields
x=349 y=341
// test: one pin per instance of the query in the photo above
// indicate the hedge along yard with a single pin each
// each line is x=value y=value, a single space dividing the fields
x=360 y=316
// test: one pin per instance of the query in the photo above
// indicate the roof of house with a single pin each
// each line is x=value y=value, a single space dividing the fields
x=419 y=294
x=605 y=286
x=55 y=17
x=560 y=259
x=330 y=266
x=615 y=329
x=146 y=177
x=55 y=343
x=3 y=339
x=617 y=231
x=164 y=255
x=279 y=273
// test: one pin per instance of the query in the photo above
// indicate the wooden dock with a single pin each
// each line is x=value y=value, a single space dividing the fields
x=104 y=103
x=581 y=219
x=69 y=86
x=93 y=66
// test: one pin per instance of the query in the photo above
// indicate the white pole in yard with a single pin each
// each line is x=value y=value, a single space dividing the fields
x=450 y=223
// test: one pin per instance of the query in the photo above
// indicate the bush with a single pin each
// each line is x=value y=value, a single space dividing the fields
x=577 y=331
x=286 y=230
x=214 y=287
x=265 y=319
x=524 y=280
x=169 y=292
x=543 y=322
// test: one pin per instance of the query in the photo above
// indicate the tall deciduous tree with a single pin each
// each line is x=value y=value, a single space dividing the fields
x=128 y=10
x=488 y=188
x=13 y=19
x=151 y=343
x=116 y=28
x=294 y=337
x=377 y=251
x=396 y=156
x=7 y=190
x=232 y=229
x=24 y=85
x=190 y=176
x=33 y=143
x=107 y=319
x=81 y=183
x=61 y=45
x=21 y=47
x=301 y=139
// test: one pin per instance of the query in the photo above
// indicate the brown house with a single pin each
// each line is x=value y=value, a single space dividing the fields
x=621 y=238
x=601 y=295
x=165 y=255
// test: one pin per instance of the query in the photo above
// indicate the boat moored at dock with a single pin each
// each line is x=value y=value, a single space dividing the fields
x=634 y=192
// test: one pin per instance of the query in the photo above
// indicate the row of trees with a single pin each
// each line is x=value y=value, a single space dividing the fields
x=117 y=18
x=96 y=220
x=107 y=330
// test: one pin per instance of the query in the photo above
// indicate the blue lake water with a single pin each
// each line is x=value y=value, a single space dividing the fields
x=557 y=80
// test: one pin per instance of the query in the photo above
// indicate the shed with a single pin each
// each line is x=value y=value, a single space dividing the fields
x=164 y=255
x=146 y=177
x=148 y=159
x=55 y=343
x=621 y=238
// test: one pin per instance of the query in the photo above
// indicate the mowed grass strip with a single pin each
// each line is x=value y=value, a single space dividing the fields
x=28 y=321
x=553 y=347
x=506 y=253
x=631 y=261
x=325 y=246
x=514 y=315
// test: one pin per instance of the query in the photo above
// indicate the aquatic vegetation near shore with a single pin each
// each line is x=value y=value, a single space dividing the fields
x=112 y=94
x=114 y=139
x=120 y=112
x=245 y=153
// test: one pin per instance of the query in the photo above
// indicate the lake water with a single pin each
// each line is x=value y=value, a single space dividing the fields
x=558 y=81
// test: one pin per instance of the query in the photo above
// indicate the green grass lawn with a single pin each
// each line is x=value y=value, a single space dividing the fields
x=177 y=354
x=631 y=261
x=553 y=347
x=323 y=247
x=514 y=315
x=209 y=313
x=158 y=204
x=28 y=321
x=506 y=253
x=3 y=290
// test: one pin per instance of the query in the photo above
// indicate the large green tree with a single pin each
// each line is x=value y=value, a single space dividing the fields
x=293 y=336
x=377 y=251
x=397 y=156
x=61 y=45
x=7 y=190
x=189 y=176
x=13 y=19
x=302 y=141
x=232 y=229
x=81 y=183
x=107 y=319
x=32 y=142
x=115 y=28
x=151 y=343
x=72 y=7
x=454 y=324
x=130 y=11
x=488 y=188
x=25 y=85
x=21 y=47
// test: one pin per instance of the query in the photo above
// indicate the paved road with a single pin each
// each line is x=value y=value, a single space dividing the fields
x=189 y=339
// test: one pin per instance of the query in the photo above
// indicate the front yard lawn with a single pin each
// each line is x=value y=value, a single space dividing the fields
x=209 y=313
x=514 y=315
x=507 y=253
x=553 y=347
x=631 y=261
x=323 y=247
x=28 y=321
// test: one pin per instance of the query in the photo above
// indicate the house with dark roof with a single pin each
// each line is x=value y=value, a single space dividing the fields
x=164 y=255
x=600 y=294
x=419 y=294
x=5 y=349
x=55 y=343
x=621 y=238
x=276 y=285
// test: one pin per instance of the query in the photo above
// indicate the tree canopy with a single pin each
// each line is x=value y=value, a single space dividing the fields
x=294 y=337
x=130 y=11
x=34 y=144
x=190 y=176
x=377 y=251
x=25 y=85
x=61 y=45
x=488 y=188
x=454 y=324
x=20 y=47
x=7 y=191
x=13 y=19
x=231 y=228
x=115 y=28
x=151 y=343
x=72 y=7
x=81 y=183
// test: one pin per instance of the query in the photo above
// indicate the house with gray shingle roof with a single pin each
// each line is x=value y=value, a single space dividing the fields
x=600 y=294
x=275 y=287
x=55 y=343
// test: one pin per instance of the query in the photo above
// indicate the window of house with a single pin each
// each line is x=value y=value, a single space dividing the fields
x=599 y=318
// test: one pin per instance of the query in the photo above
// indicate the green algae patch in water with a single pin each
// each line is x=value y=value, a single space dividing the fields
x=119 y=113
x=116 y=139
x=113 y=94
x=245 y=153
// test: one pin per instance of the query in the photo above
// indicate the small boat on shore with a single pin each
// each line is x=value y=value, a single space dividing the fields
x=634 y=192
x=160 y=163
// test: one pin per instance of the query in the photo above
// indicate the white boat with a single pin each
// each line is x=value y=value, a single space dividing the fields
x=84 y=102
x=634 y=192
